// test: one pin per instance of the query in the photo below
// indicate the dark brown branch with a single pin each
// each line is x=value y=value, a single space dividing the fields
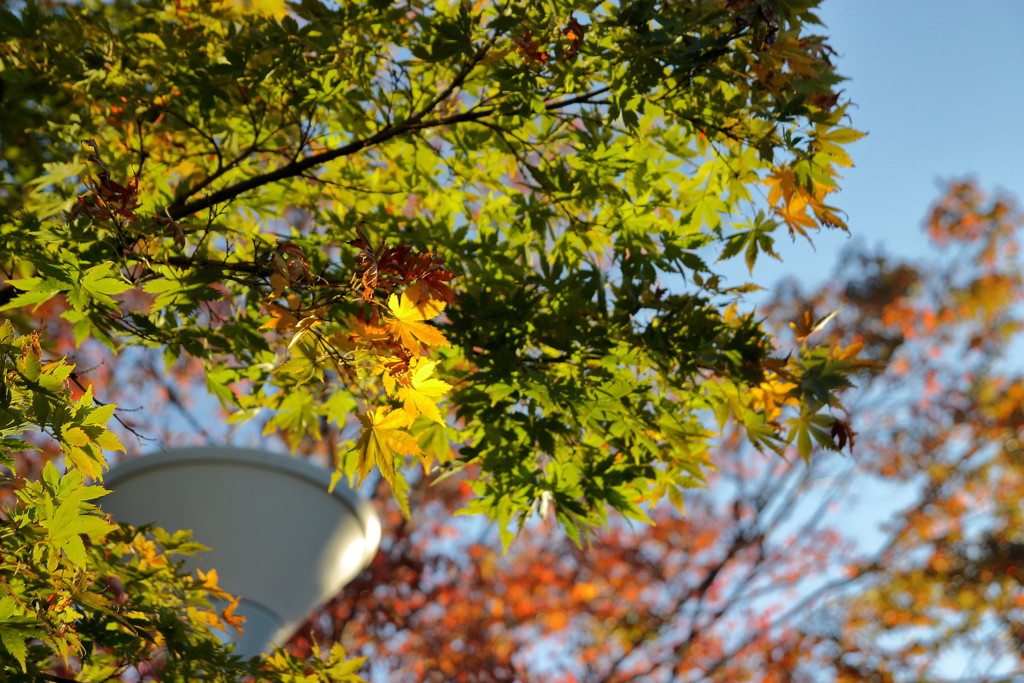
x=418 y=121
x=177 y=211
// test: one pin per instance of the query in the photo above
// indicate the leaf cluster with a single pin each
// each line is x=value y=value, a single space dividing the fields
x=481 y=237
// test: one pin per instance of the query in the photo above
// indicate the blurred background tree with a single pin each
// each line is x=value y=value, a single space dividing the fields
x=208 y=263
x=775 y=572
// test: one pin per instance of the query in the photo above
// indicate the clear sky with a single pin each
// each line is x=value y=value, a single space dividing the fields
x=939 y=87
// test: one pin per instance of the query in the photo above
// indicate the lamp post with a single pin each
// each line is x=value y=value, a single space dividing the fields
x=279 y=540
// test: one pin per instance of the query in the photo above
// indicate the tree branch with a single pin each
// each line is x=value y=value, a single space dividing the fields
x=179 y=210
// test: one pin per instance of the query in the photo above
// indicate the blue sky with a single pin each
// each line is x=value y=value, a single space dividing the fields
x=939 y=87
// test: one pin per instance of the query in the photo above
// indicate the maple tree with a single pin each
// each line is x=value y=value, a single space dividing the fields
x=430 y=233
x=777 y=571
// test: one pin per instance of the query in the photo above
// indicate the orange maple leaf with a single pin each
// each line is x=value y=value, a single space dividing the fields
x=281 y=318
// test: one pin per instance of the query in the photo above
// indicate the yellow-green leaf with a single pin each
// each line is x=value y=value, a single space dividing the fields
x=421 y=394
x=383 y=440
x=76 y=436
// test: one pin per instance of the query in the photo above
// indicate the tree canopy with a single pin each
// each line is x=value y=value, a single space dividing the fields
x=899 y=562
x=478 y=238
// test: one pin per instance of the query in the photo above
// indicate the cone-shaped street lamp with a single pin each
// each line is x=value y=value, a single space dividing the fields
x=280 y=541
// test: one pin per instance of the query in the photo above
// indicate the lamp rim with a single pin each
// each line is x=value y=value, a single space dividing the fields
x=241 y=456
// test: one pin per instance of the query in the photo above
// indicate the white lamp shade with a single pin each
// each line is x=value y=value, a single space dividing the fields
x=279 y=540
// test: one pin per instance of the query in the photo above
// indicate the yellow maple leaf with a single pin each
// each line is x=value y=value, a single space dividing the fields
x=82 y=451
x=149 y=555
x=304 y=326
x=87 y=460
x=209 y=581
x=407 y=322
x=384 y=438
x=278 y=9
x=421 y=393
x=76 y=436
x=430 y=308
x=772 y=395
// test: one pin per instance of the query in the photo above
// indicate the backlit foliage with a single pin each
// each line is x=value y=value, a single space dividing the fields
x=472 y=239
x=902 y=561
